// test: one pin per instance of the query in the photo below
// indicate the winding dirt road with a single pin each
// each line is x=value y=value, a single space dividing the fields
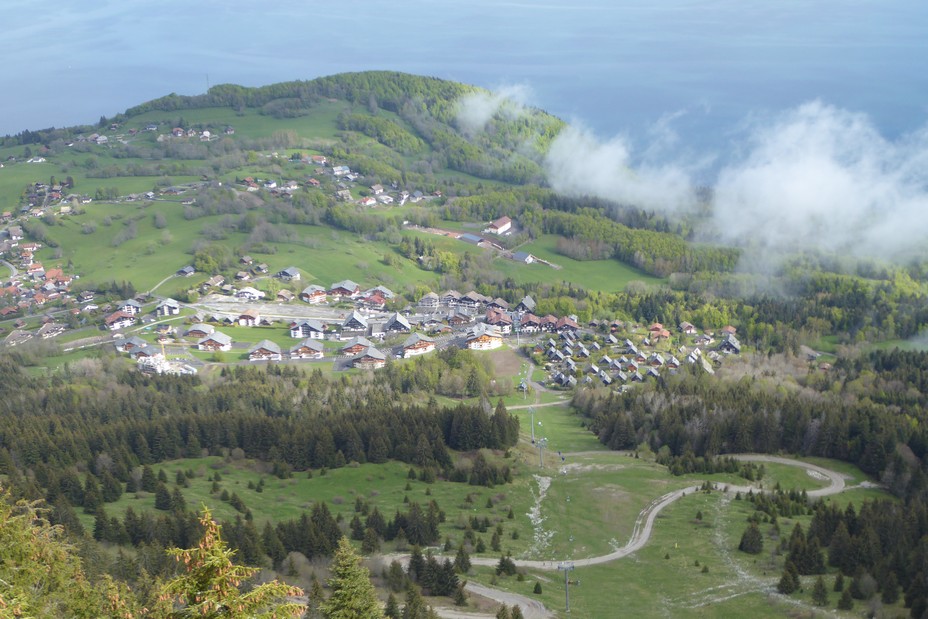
x=641 y=533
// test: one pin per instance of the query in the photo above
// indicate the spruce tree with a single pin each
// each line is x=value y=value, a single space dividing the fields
x=752 y=541
x=353 y=595
x=846 y=602
x=820 y=592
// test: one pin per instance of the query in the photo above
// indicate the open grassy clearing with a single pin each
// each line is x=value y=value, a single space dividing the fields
x=604 y=275
x=666 y=578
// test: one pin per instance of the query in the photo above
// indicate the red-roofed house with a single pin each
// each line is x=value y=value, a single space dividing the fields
x=500 y=226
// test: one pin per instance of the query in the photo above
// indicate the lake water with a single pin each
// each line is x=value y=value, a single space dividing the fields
x=620 y=67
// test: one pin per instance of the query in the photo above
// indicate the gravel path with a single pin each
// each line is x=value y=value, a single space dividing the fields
x=644 y=526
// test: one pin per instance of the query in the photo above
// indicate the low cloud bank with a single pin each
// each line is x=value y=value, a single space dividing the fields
x=579 y=164
x=825 y=178
x=475 y=111
x=813 y=177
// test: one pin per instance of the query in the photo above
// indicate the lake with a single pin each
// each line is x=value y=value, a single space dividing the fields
x=634 y=68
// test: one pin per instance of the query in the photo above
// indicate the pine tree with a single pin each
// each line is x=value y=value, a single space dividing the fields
x=162 y=498
x=516 y=612
x=462 y=560
x=846 y=602
x=789 y=580
x=209 y=586
x=752 y=541
x=820 y=592
x=503 y=612
x=839 y=582
x=353 y=595
x=890 y=589
x=392 y=608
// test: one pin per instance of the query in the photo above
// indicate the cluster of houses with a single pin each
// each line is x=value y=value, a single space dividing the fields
x=33 y=286
x=628 y=362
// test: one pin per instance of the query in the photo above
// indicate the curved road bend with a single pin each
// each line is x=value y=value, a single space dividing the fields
x=641 y=533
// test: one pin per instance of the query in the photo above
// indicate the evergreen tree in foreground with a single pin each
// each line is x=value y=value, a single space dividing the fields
x=210 y=586
x=353 y=594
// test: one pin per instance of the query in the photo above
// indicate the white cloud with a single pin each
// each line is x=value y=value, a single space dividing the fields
x=476 y=110
x=579 y=164
x=822 y=177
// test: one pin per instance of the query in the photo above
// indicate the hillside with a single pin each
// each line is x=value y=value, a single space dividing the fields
x=256 y=238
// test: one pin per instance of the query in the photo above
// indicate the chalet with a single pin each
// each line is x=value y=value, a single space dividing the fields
x=318 y=159
x=214 y=281
x=656 y=360
x=341 y=170
x=249 y=294
x=284 y=296
x=130 y=306
x=186 y=271
x=673 y=363
x=307 y=349
x=312 y=329
x=15 y=232
x=249 y=318
x=119 y=320
x=730 y=344
x=397 y=323
x=355 y=322
x=498 y=304
x=483 y=337
x=549 y=323
x=377 y=189
x=729 y=330
x=704 y=339
x=500 y=320
x=265 y=350
x=243 y=276
x=145 y=352
x=523 y=256
x=130 y=343
x=653 y=373
x=527 y=304
x=383 y=291
x=290 y=274
x=687 y=328
x=471 y=301
x=344 y=195
x=500 y=226
x=417 y=344
x=457 y=319
x=168 y=307
x=245 y=260
x=216 y=341
x=313 y=294
x=345 y=289
x=566 y=325
x=582 y=352
x=428 y=302
x=260 y=269
x=529 y=323
x=370 y=359
x=199 y=331
x=655 y=328
x=451 y=298
x=356 y=345
x=372 y=301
